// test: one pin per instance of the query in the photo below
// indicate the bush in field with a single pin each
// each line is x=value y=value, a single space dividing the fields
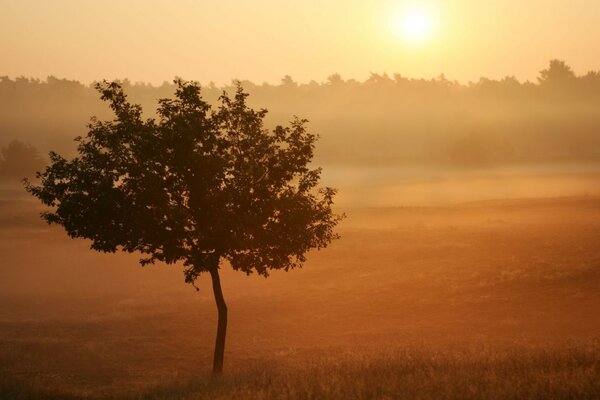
x=19 y=160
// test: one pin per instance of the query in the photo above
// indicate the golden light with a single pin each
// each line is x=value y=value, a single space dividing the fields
x=413 y=26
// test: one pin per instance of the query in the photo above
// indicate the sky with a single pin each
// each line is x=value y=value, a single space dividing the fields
x=263 y=40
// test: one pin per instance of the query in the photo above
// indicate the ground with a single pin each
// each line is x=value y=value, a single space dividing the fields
x=496 y=299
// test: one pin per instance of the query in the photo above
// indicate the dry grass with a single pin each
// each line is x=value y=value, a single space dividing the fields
x=516 y=372
x=485 y=300
x=569 y=373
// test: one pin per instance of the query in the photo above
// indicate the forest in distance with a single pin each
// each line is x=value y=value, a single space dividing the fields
x=382 y=121
x=387 y=141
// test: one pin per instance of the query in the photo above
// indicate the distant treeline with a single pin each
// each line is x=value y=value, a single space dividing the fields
x=387 y=119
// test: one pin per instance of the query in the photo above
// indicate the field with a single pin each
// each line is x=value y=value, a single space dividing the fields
x=494 y=299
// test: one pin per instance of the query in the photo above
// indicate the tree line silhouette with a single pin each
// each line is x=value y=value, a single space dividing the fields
x=385 y=119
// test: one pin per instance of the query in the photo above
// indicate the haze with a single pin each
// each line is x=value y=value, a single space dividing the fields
x=153 y=41
x=462 y=137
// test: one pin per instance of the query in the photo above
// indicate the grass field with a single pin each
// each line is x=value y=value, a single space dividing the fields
x=497 y=299
x=479 y=372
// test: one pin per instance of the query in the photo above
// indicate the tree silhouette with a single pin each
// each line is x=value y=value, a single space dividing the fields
x=198 y=186
x=557 y=73
x=384 y=119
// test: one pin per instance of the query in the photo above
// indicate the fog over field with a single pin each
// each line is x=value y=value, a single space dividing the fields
x=388 y=140
x=387 y=119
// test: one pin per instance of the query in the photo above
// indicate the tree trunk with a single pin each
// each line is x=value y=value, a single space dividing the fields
x=222 y=324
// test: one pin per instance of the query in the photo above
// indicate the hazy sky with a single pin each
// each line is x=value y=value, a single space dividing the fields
x=155 y=40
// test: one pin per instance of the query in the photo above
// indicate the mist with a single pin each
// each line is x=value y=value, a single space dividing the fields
x=467 y=264
x=395 y=137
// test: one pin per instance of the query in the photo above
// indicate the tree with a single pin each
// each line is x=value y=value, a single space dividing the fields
x=558 y=73
x=198 y=186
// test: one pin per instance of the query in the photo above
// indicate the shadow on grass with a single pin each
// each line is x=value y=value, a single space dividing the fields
x=15 y=389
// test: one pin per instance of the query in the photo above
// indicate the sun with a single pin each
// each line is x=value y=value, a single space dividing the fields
x=413 y=26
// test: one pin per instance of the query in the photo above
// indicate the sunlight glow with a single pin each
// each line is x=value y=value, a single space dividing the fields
x=413 y=26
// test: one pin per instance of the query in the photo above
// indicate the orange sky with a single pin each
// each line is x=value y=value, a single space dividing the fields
x=156 y=40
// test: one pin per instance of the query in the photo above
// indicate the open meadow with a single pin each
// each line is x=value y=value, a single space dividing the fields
x=488 y=299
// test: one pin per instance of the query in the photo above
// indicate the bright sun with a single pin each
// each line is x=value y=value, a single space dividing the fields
x=413 y=26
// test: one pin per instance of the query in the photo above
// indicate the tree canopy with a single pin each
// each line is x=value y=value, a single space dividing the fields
x=195 y=185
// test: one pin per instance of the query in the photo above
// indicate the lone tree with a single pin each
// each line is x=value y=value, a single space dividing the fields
x=198 y=186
